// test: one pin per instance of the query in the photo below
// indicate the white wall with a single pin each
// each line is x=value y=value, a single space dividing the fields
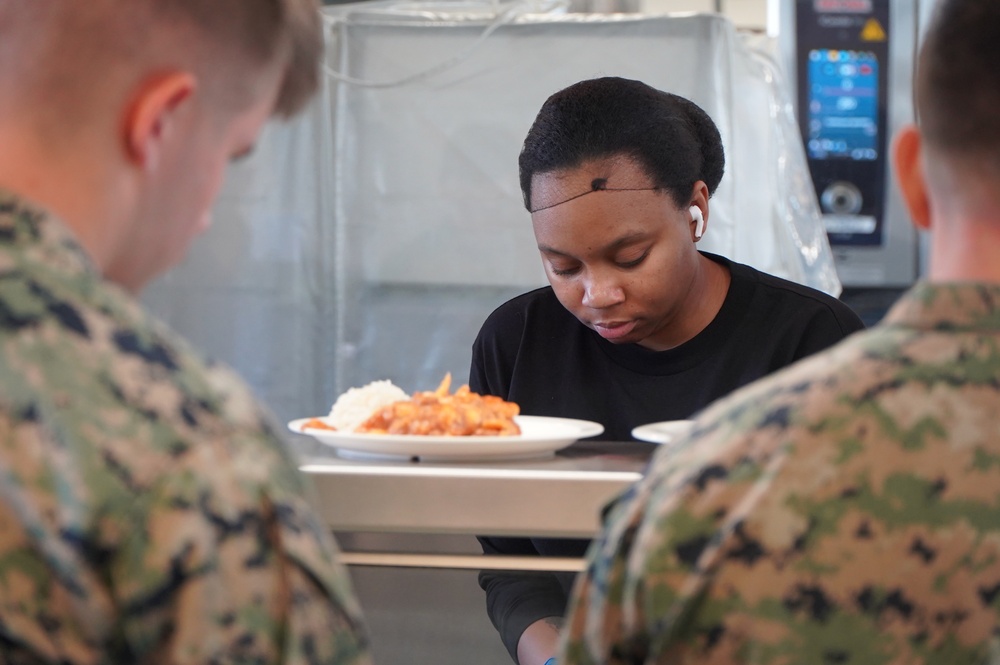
x=747 y=14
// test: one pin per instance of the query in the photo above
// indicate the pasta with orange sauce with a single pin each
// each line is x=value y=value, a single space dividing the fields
x=440 y=413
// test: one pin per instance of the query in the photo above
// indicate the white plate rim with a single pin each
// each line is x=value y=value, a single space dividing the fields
x=541 y=435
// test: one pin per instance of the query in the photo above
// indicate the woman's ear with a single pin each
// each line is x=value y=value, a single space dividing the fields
x=151 y=116
x=698 y=207
x=907 y=156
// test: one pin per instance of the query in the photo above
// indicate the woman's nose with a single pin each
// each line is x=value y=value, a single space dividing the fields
x=601 y=293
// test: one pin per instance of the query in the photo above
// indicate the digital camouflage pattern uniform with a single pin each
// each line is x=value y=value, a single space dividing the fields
x=845 y=510
x=148 y=511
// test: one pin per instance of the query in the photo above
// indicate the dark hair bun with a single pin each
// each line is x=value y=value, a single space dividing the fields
x=713 y=164
x=673 y=139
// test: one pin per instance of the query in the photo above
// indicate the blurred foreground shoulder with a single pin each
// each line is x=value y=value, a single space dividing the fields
x=148 y=503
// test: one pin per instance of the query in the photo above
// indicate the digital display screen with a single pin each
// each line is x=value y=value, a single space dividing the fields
x=843 y=105
x=843 y=6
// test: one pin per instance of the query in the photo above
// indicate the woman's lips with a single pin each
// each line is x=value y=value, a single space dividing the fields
x=613 y=330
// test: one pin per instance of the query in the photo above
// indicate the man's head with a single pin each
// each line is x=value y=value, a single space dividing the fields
x=123 y=115
x=949 y=163
x=958 y=81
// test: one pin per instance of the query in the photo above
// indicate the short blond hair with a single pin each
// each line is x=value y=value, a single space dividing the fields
x=60 y=53
x=260 y=31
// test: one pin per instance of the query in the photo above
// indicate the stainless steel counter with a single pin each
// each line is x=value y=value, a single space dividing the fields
x=559 y=496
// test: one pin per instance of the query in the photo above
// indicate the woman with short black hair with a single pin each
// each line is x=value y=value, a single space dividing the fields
x=637 y=325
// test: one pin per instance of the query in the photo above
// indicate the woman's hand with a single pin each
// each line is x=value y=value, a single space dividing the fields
x=539 y=641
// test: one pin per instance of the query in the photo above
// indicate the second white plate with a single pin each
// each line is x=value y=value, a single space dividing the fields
x=665 y=432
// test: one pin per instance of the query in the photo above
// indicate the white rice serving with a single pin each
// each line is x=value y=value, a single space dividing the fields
x=358 y=404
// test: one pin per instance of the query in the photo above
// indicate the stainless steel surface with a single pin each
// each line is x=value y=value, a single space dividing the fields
x=559 y=496
x=462 y=561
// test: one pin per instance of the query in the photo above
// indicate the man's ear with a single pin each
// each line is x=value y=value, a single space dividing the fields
x=152 y=115
x=907 y=155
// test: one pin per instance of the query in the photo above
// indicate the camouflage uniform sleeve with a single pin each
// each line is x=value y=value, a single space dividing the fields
x=645 y=596
x=149 y=511
x=235 y=565
x=203 y=577
x=808 y=520
x=635 y=598
x=258 y=585
x=52 y=608
x=221 y=560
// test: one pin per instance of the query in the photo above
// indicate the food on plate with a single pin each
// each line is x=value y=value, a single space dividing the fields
x=318 y=423
x=381 y=407
x=439 y=413
x=357 y=404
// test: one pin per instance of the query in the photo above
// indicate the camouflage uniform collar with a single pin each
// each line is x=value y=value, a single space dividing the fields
x=30 y=232
x=948 y=306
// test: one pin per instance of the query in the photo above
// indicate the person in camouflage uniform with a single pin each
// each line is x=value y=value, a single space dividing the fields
x=149 y=511
x=847 y=509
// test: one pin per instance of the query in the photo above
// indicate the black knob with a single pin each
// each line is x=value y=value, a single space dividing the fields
x=841 y=198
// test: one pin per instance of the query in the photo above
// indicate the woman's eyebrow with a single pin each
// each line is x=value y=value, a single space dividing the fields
x=627 y=239
x=552 y=250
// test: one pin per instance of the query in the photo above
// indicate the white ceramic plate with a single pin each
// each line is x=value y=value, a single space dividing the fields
x=540 y=436
x=665 y=432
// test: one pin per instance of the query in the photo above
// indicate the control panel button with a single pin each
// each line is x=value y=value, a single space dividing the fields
x=841 y=198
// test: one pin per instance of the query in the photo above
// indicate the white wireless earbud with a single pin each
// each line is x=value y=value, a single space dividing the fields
x=699 y=219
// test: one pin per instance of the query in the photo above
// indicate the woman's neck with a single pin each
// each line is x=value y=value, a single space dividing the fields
x=703 y=302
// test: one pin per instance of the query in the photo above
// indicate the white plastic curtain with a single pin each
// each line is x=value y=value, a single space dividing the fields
x=370 y=237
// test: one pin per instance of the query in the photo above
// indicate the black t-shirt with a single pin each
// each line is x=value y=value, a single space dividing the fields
x=534 y=352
